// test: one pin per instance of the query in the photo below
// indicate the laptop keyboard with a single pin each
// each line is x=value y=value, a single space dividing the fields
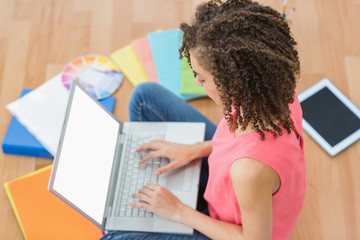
x=135 y=176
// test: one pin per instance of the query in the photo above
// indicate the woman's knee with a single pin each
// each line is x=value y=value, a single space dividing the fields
x=142 y=95
x=145 y=89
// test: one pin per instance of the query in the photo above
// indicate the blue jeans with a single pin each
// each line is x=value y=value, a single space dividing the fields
x=152 y=102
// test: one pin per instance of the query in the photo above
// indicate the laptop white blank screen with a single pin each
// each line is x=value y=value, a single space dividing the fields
x=86 y=156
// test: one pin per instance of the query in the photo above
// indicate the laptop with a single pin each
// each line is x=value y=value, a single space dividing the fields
x=92 y=168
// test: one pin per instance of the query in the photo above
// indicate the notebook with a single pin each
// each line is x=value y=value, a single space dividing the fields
x=91 y=166
x=330 y=117
x=142 y=49
x=129 y=63
x=41 y=215
x=165 y=50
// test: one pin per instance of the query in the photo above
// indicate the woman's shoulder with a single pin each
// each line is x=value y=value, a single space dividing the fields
x=250 y=167
x=255 y=174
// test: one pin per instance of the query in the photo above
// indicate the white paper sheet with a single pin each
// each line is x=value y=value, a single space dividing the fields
x=42 y=112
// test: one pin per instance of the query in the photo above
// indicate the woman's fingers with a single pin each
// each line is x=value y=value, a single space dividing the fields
x=152 y=186
x=147 y=191
x=155 y=150
x=151 y=155
x=146 y=195
x=160 y=148
x=142 y=197
x=153 y=145
x=142 y=205
x=168 y=167
x=158 y=200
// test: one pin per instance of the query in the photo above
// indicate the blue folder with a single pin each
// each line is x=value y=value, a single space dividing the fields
x=165 y=50
x=19 y=141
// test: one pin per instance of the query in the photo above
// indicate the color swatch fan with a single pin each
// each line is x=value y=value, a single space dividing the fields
x=97 y=74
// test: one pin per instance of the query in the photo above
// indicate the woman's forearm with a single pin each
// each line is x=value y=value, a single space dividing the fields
x=202 y=149
x=210 y=227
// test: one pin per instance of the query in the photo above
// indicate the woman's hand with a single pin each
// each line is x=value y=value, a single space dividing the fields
x=178 y=154
x=158 y=200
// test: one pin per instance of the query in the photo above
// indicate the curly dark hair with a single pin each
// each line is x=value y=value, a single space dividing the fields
x=250 y=51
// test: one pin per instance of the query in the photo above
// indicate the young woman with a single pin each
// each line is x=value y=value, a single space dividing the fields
x=244 y=56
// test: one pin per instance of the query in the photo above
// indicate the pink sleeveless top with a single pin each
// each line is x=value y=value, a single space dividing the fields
x=284 y=154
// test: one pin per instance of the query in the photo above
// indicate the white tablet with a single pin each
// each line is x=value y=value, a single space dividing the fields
x=330 y=117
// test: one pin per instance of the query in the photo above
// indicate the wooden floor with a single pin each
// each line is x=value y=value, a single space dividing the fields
x=38 y=37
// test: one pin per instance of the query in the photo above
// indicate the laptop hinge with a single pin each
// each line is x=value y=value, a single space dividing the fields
x=103 y=226
x=113 y=177
x=121 y=138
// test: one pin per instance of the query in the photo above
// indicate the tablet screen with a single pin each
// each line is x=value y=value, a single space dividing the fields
x=329 y=116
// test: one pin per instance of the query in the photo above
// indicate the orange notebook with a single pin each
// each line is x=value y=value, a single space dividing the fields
x=41 y=215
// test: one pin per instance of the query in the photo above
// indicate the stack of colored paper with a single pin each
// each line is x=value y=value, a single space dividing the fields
x=155 y=58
